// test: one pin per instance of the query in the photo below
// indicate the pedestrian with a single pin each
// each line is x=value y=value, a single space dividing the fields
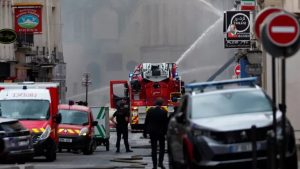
x=121 y=123
x=156 y=123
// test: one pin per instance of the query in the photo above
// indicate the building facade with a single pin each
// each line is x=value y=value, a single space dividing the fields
x=37 y=54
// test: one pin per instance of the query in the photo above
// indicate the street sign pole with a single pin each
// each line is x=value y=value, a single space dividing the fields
x=86 y=81
x=282 y=108
x=280 y=37
x=274 y=154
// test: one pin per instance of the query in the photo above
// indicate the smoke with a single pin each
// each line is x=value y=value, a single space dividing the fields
x=107 y=38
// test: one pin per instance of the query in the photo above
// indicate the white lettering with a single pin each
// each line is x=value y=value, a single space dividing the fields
x=283 y=29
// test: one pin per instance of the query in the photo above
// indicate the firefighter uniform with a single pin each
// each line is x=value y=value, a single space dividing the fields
x=122 y=117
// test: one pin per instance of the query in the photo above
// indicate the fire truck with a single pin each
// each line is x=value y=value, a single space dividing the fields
x=146 y=83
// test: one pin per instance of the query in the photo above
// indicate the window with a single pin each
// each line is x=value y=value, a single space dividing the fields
x=228 y=103
x=74 y=117
x=25 y=109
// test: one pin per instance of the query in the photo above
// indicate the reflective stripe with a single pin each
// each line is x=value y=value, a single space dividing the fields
x=71 y=131
x=42 y=129
x=135 y=120
x=35 y=130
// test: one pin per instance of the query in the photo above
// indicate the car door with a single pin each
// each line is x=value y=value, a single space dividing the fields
x=177 y=132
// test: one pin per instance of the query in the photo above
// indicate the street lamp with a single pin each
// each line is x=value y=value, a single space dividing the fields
x=86 y=81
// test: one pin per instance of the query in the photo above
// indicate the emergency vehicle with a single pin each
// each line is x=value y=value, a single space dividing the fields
x=35 y=106
x=147 y=82
x=76 y=130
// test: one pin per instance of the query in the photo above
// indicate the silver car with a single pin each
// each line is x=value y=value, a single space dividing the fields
x=212 y=127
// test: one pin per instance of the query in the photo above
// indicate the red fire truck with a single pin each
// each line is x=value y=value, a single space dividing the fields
x=147 y=82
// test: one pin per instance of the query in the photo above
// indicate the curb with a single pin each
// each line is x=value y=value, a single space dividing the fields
x=17 y=167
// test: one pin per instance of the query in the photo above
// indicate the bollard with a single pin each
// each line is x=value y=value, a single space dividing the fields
x=254 y=147
x=271 y=150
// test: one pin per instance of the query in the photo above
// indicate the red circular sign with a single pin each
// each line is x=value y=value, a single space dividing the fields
x=283 y=30
x=237 y=70
x=261 y=17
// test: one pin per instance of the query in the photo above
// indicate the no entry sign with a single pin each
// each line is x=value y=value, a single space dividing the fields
x=261 y=17
x=283 y=30
x=237 y=70
x=280 y=34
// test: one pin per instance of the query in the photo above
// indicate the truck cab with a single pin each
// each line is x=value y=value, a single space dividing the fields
x=147 y=82
x=76 y=130
x=35 y=106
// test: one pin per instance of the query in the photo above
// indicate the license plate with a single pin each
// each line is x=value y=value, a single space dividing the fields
x=65 y=140
x=240 y=148
x=24 y=143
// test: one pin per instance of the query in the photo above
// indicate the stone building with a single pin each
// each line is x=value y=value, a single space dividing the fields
x=37 y=54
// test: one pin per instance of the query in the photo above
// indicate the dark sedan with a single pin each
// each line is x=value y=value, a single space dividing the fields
x=16 y=143
x=212 y=127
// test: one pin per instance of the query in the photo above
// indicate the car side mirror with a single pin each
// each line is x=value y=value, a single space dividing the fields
x=180 y=118
x=58 y=118
x=95 y=123
x=86 y=123
x=174 y=99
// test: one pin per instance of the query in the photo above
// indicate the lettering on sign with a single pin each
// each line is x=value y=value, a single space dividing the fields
x=24 y=95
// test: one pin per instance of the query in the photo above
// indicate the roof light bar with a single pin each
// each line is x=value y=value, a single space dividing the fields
x=251 y=81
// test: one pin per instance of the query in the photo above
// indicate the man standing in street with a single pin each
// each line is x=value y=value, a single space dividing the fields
x=122 y=117
x=156 y=123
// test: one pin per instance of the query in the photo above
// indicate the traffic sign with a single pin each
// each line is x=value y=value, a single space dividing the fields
x=237 y=69
x=248 y=5
x=283 y=30
x=7 y=36
x=280 y=34
x=261 y=17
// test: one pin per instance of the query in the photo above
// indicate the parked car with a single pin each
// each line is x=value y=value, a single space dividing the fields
x=76 y=131
x=212 y=127
x=16 y=144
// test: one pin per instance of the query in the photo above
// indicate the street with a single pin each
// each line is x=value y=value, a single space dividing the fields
x=101 y=159
x=139 y=158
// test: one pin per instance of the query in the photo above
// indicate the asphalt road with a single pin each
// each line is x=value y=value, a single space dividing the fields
x=139 y=158
x=101 y=159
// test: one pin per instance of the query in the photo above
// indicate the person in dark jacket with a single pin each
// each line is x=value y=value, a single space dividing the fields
x=156 y=123
x=122 y=117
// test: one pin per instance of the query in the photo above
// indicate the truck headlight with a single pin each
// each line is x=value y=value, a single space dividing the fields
x=84 y=131
x=46 y=133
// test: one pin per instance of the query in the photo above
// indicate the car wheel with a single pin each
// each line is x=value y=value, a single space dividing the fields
x=21 y=162
x=292 y=162
x=51 y=153
x=88 y=149
x=107 y=145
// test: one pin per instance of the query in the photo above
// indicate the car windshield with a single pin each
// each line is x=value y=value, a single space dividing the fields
x=228 y=103
x=73 y=117
x=25 y=109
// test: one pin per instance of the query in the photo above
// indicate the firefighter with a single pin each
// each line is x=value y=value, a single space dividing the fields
x=156 y=123
x=121 y=123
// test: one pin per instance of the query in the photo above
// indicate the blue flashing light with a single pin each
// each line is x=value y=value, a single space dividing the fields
x=130 y=74
x=203 y=85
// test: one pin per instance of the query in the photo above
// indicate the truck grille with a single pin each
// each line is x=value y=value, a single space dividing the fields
x=242 y=136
